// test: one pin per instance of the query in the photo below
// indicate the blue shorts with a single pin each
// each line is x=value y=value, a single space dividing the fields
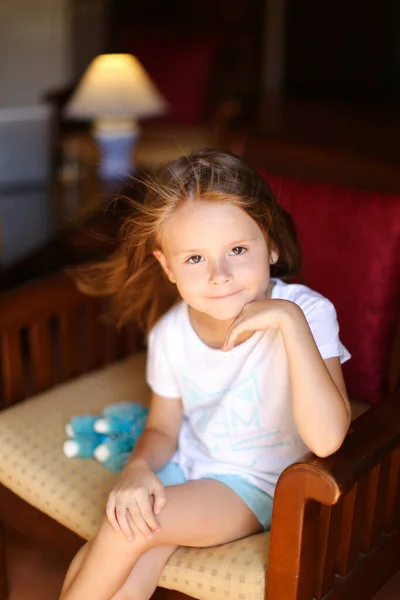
x=258 y=501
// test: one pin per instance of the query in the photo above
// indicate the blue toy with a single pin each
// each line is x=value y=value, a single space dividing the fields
x=82 y=425
x=110 y=437
x=83 y=445
x=121 y=418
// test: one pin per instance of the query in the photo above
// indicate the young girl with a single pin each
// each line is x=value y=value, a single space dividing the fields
x=245 y=371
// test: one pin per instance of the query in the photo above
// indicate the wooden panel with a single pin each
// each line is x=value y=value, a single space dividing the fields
x=347 y=547
x=86 y=341
x=327 y=543
x=36 y=525
x=68 y=345
x=11 y=368
x=3 y=567
x=372 y=507
x=111 y=344
x=370 y=574
x=391 y=512
x=108 y=337
x=133 y=338
x=90 y=335
x=41 y=355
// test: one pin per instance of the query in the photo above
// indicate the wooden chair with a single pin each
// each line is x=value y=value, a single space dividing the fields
x=336 y=521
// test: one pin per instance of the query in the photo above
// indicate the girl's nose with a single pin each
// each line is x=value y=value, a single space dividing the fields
x=220 y=273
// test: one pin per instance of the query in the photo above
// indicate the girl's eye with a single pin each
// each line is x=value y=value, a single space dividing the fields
x=193 y=260
x=238 y=250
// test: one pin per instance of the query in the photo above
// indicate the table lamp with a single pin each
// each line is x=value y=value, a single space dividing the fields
x=115 y=91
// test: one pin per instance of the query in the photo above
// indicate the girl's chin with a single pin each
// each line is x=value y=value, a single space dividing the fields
x=222 y=313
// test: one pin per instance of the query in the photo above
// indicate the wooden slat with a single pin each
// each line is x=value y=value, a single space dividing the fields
x=111 y=344
x=68 y=345
x=41 y=355
x=87 y=342
x=11 y=368
x=373 y=570
x=108 y=337
x=328 y=538
x=347 y=547
x=4 y=591
x=373 y=506
x=133 y=338
x=91 y=342
x=391 y=513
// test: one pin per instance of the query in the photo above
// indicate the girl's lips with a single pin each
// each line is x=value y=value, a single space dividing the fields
x=223 y=297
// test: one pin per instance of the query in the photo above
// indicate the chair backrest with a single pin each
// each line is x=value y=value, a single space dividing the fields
x=351 y=252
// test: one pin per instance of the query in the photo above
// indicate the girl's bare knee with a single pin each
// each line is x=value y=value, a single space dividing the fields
x=115 y=541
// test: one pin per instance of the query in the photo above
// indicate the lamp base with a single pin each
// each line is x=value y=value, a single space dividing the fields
x=116 y=151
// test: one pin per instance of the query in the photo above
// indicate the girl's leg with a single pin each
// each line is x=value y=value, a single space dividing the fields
x=75 y=565
x=143 y=578
x=198 y=513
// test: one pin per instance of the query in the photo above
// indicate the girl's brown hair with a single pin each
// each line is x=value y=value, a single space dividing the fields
x=132 y=277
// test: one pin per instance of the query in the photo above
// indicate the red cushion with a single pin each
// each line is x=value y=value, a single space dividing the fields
x=351 y=245
x=181 y=69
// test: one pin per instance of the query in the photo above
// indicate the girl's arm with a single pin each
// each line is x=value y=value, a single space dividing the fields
x=159 y=440
x=139 y=494
x=321 y=406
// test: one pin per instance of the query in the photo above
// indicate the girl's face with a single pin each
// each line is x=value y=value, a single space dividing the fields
x=217 y=256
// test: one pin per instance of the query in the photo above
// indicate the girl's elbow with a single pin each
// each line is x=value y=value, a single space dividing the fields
x=325 y=451
x=331 y=444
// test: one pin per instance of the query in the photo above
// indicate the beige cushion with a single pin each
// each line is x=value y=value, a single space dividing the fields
x=74 y=491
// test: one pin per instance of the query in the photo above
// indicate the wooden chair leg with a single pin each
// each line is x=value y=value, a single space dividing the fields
x=3 y=566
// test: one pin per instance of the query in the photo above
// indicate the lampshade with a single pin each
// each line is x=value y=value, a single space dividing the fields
x=115 y=85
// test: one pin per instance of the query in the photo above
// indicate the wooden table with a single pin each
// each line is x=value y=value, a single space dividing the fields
x=47 y=226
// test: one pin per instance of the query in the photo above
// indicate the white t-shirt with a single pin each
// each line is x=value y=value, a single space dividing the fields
x=237 y=405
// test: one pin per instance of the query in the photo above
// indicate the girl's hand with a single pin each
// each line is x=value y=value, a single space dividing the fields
x=259 y=315
x=137 y=497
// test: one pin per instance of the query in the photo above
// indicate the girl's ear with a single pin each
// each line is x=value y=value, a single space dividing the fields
x=164 y=263
x=273 y=253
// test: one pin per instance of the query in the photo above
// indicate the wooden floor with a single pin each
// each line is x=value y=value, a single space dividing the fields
x=37 y=575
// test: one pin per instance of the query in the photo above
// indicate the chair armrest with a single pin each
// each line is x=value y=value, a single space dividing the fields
x=318 y=501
